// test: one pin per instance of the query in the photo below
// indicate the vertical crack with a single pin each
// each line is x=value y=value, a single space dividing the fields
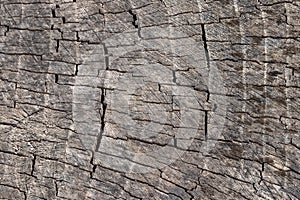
x=103 y=102
x=15 y=101
x=208 y=66
x=254 y=187
x=205 y=45
x=53 y=13
x=104 y=106
x=25 y=195
x=134 y=22
x=56 y=78
x=77 y=36
x=76 y=70
x=56 y=189
x=7 y=30
x=94 y=166
x=261 y=173
x=206 y=125
x=46 y=87
x=206 y=54
x=33 y=165
x=57 y=46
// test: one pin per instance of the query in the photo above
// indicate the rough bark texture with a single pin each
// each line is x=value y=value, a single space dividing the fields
x=90 y=87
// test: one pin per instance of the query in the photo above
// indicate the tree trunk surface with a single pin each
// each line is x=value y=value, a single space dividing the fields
x=149 y=99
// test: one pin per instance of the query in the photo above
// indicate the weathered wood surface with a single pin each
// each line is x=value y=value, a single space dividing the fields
x=149 y=99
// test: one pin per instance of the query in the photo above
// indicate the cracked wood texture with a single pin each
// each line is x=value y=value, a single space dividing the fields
x=90 y=87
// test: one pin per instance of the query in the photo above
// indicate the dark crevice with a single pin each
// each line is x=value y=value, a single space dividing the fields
x=25 y=195
x=15 y=104
x=104 y=106
x=293 y=70
x=77 y=36
x=8 y=124
x=208 y=95
x=64 y=20
x=56 y=78
x=46 y=87
x=57 y=46
x=206 y=125
x=134 y=22
x=76 y=70
x=56 y=189
x=94 y=166
x=7 y=30
x=254 y=187
x=261 y=173
x=206 y=54
x=53 y=13
x=163 y=3
x=33 y=165
x=205 y=45
x=274 y=73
